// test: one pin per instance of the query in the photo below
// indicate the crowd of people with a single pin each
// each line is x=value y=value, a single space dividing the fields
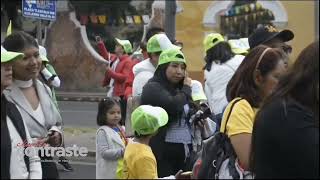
x=29 y=112
x=268 y=109
x=242 y=89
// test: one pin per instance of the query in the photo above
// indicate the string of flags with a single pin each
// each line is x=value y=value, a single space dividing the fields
x=103 y=19
x=243 y=18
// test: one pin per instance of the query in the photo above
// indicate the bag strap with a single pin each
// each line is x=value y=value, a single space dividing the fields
x=225 y=127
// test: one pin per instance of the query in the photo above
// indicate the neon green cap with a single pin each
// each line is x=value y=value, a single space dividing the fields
x=171 y=55
x=160 y=42
x=239 y=46
x=197 y=92
x=7 y=56
x=125 y=44
x=211 y=40
x=148 y=119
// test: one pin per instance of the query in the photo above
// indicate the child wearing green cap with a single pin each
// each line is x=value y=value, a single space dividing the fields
x=139 y=160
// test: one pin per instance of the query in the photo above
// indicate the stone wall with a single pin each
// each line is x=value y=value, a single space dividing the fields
x=74 y=59
x=76 y=63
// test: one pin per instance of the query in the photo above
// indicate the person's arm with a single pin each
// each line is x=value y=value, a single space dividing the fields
x=103 y=50
x=122 y=76
x=56 y=137
x=154 y=94
x=54 y=79
x=146 y=168
x=208 y=92
x=139 y=81
x=242 y=145
x=106 y=79
x=34 y=161
x=128 y=85
x=103 y=148
x=239 y=130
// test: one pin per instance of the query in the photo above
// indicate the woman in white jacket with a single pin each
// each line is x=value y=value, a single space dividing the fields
x=221 y=63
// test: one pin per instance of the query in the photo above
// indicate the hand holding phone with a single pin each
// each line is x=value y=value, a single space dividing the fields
x=187 y=80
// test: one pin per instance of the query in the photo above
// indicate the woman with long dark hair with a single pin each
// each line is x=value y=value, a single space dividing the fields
x=285 y=141
x=253 y=81
x=221 y=64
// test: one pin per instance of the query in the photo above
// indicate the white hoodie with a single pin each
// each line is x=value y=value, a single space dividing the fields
x=216 y=81
x=143 y=71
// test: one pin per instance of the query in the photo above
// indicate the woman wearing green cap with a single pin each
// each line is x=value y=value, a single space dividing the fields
x=33 y=98
x=119 y=68
x=221 y=63
x=170 y=88
x=14 y=163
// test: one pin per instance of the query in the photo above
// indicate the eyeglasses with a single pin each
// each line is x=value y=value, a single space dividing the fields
x=286 y=48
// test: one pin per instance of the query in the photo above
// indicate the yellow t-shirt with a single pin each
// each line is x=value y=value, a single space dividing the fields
x=139 y=162
x=241 y=118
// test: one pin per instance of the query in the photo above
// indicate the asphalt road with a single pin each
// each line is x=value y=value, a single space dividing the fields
x=79 y=114
x=82 y=170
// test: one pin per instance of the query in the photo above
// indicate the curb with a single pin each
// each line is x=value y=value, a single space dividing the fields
x=80 y=96
x=89 y=99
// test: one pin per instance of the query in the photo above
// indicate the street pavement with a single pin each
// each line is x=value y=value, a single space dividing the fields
x=79 y=118
x=82 y=170
x=79 y=113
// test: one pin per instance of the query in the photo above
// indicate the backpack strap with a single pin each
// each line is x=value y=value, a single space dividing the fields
x=225 y=127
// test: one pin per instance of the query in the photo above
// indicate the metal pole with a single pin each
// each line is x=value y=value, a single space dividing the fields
x=39 y=33
x=170 y=19
x=316 y=7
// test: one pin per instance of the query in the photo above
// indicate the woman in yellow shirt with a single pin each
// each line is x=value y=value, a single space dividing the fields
x=255 y=79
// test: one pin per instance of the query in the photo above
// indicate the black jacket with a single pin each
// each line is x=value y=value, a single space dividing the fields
x=286 y=141
x=171 y=99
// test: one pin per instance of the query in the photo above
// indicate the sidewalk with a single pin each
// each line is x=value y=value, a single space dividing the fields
x=81 y=137
x=80 y=96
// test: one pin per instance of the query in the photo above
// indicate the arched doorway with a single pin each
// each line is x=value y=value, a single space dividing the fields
x=217 y=9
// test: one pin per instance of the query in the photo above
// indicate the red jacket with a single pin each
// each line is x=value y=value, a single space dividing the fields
x=121 y=72
x=129 y=82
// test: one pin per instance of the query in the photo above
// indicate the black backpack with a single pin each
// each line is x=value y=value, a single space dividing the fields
x=215 y=150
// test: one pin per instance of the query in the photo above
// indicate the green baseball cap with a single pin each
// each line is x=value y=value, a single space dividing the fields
x=125 y=44
x=7 y=56
x=160 y=42
x=148 y=119
x=197 y=92
x=171 y=55
x=211 y=40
